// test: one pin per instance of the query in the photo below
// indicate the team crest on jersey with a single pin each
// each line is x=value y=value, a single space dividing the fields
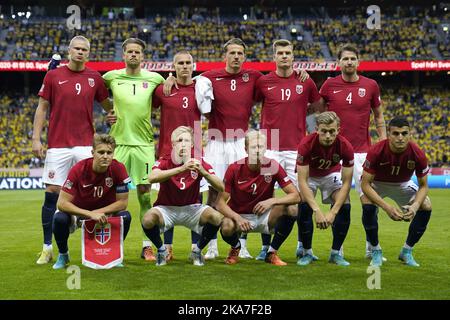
x=109 y=182
x=268 y=178
x=145 y=85
x=91 y=82
x=336 y=158
x=245 y=77
x=194 y=174
x=411 y=164
x=299 y=89
x=51 y=174
x=361 y=92
x=102 y=233
x=68 y=184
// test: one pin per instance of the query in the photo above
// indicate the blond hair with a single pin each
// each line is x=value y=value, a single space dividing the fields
x=281 y=43
x=103 y=139
x=81 y=38
x=179 y=131
x=251 y=134
x=327 y=118
x=182 y=52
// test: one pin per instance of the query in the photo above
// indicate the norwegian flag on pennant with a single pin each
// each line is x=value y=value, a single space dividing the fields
x=102 y=245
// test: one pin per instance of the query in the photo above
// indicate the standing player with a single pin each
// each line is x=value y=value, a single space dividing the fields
x=95 y=189
x=285 y=103
x=388 y=169
x=353 y=97
x=132 y=89
x=318 y=166
x=234 y=91
x=68 y=93
x=248 y=202
x=179 y=108
x=178 y=198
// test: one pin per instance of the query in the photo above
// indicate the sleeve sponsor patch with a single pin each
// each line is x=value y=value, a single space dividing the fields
x=426 y=169
x=68 y=184
x=286 y=179
x=351 y=162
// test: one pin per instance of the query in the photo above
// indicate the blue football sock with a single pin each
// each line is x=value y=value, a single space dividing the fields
x=418 y=226
x=48 y=210
x=370 y=223
x=340 y=226
x=305 y=222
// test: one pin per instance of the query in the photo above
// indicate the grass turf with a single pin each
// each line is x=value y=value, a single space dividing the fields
x=22 y=278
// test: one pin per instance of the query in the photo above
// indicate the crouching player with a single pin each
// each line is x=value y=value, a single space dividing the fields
x=387 y=172
x=318 y=167
x=178 y=198
x=248 y=202
x=94 y=189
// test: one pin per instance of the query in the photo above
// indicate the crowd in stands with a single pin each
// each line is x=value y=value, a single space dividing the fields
x=426 y=109
x=404 y=34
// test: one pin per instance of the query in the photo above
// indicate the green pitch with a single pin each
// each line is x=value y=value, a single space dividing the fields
x=21 y=278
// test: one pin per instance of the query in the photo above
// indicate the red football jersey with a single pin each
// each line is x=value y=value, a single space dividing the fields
x=95 y=190
x=324 y=160
x=182 y=189
x=71 y=96
x=247 y=188
x=395 y=167
x=233 y=101
x=178 y=109
x=285 y=104
x=353 y=102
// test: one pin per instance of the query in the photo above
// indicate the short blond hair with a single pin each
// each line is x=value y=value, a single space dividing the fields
x=281 y=43
x=182 y=52
x=327 y=118
x=254 y=134
x=179 y=131
x=81 y=38
x=103 y=139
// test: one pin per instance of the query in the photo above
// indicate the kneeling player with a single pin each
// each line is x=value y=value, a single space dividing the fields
x=318 y=166
x=94 y=189
x=248 y=202
x=387 y=172
x=178 y=197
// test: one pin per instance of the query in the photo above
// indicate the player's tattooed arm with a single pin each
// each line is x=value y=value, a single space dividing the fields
x=224 y=208
x=38 y=125
x=65 y=204
x=366 y=185
x=379 y=122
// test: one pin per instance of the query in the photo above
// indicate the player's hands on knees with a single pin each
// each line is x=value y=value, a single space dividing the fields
x=321 y=221
x=111 y=118
x=394 y=213
x=409 y=211
x=168 y=84
x=37 y=148
x=263 y=206
x=302 y=75
x=243 y=224
x=99 y=217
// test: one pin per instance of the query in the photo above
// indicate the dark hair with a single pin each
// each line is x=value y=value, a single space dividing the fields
x=133 y=40
x=234 y=41
x=399 y=122
x=347 y=47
